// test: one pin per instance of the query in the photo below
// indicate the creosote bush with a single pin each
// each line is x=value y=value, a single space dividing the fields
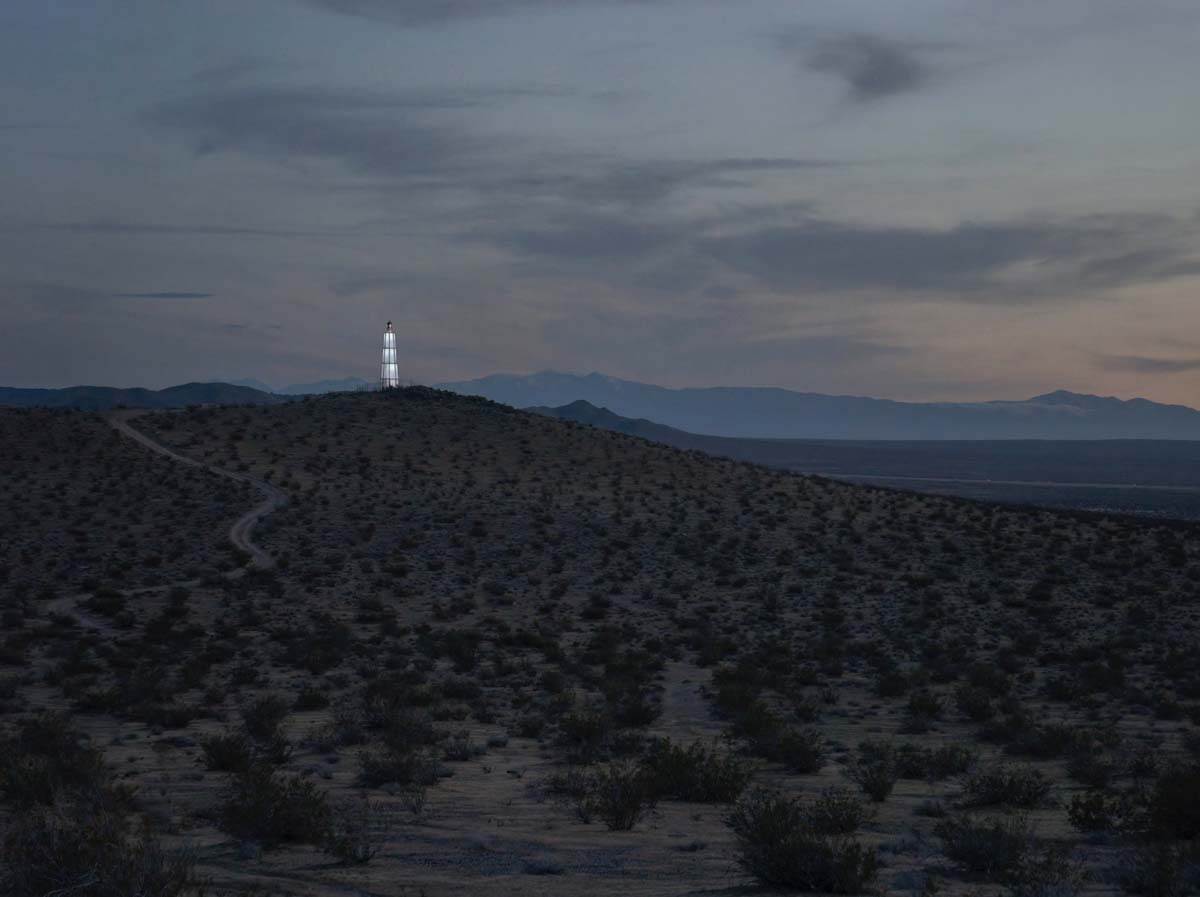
x=620 y=794
x=263 y=717
x=985 y=845
x=1159 y=869
x=694 y=773
x=231 y=752
x=784 y=842
x=86 y=851
x=1096 y=811
x=43 y=759
x=1175 y=803
x=875 y=769
x=355 y=833
x=1004 y=785
x=271 y=808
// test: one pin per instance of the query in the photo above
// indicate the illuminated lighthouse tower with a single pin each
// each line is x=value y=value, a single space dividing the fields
x=389 y=373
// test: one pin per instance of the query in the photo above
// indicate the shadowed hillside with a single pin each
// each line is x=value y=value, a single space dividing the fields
x=80 y=506
x=505 y=653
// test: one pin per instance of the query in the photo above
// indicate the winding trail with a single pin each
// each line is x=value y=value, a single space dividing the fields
x=239 y=533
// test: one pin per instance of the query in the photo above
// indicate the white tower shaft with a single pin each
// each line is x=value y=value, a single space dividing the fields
x=389 y=374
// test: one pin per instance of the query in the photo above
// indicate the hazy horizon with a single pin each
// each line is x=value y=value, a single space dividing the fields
x=936 y=201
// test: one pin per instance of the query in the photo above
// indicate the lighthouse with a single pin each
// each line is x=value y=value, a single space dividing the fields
x=389 y=372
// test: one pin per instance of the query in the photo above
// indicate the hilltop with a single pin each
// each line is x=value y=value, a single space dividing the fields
x=486 y=620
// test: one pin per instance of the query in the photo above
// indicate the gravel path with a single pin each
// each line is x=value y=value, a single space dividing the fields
x=239 y=533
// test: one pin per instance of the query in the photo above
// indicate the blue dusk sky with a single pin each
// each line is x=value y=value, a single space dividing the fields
x=919 y=200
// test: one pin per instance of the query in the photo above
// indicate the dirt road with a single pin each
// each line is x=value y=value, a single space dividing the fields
x=239 y=533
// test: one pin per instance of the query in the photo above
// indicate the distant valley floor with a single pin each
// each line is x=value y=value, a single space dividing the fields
x=1156 y=478
x=1182 y=503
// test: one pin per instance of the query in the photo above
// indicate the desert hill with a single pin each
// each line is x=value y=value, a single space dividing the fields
x=106 y=398
x=486 y=621
x=770 y=413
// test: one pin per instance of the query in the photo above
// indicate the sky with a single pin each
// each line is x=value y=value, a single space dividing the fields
x=921 y=200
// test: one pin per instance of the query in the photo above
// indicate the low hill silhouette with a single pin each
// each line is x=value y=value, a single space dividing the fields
x=105 y=398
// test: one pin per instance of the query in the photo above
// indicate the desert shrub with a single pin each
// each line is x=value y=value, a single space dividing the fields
x=44 y=758
x=310 y=698
x=231 y=752
x=586 y=730
x=1047 y=869
x=408 y=731
x=934 y=764
x=529 y=725
x=835 y=811
x=355 y=833
x=801 y=750
x=875 y=770
x=985 y=846
x=695 y=773
x=756 y=721
x=1045 y=742
x=572 y=783
x=911 y=761
x=779 y=842
x=620 y=794
x=924 y=704
x=460 y=688
x=1191 y=743
x=263 y=717
x=460 y=748
x=1159 y=869
x=1175 y=803
x=395 y=767
x=974 y=703
x=949 y=760
x=806 y=709
x=1095 y=811
x=88 y=852
x=274 y=751
x=1004 y=785
x=269 y=807
x=1092 y=768
x=348 y=726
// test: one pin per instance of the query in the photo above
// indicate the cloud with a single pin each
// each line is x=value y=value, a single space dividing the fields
x=416 y=13
x=1029 y=260
x=418 y=138
x=1034 y=259
x=584 y=237
x=872 y=66
x=372 y=132
x=1140 y=364
x=163 y=295
x=638 y=182
x=72 y=298
x=142 y=228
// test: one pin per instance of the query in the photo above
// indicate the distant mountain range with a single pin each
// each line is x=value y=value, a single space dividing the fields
x=771 y=413
x=1169 y=463
x=105 y=398
x=347 y=384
